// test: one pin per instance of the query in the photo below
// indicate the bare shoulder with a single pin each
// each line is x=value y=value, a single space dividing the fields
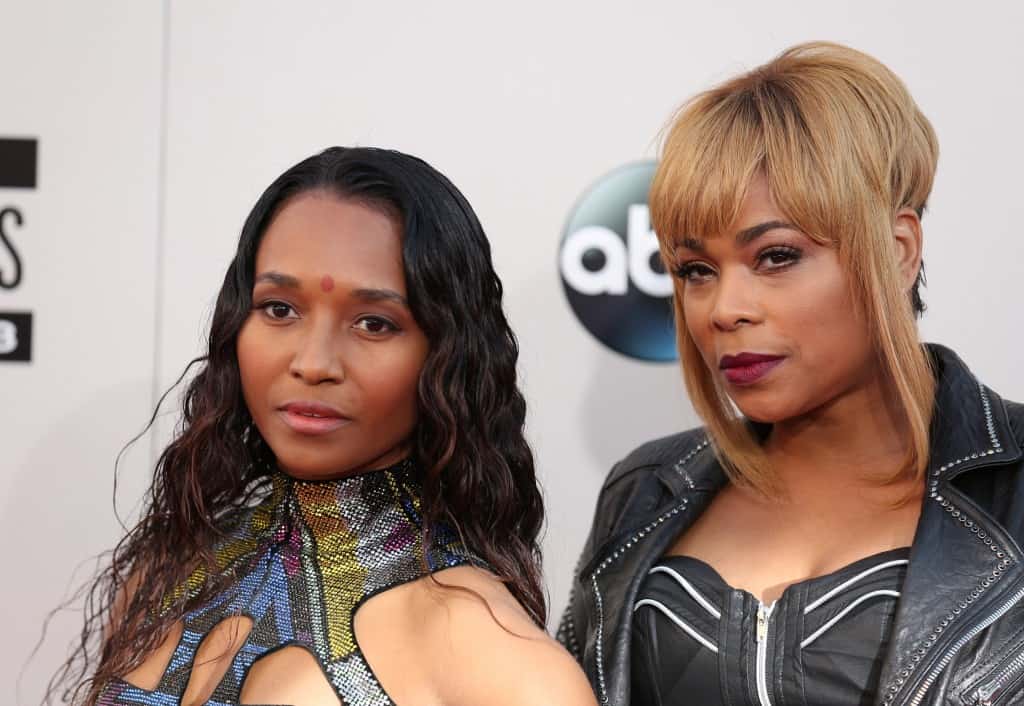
x=489 y=650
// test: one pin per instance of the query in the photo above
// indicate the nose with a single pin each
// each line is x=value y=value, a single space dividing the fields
x=318 y=358
x=735 y=301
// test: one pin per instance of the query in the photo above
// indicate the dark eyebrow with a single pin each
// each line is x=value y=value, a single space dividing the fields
x=279 y=279
x=749 y=235
x=376 y=295
x=743 y=238
x=366 y=294
x=691 y=243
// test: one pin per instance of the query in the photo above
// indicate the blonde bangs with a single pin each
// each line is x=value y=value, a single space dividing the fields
x=712 y=151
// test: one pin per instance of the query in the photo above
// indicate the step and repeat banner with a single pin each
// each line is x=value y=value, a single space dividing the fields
x=135 y=136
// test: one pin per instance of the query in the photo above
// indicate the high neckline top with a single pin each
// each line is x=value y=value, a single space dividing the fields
x=698 y=640
x=303 y=560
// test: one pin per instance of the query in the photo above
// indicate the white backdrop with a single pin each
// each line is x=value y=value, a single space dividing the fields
x=160 y=123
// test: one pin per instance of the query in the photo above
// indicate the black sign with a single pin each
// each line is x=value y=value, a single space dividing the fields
x=15 y=336
x=18 y=170
x=18 y=162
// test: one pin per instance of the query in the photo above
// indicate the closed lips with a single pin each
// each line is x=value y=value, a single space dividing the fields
x=746 y=359
x=747 y=368
x=312 y=418
x=315 y=410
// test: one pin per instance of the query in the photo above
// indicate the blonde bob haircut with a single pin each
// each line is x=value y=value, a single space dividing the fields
x=843 y=148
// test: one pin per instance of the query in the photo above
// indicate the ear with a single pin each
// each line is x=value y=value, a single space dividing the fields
x=907 y=234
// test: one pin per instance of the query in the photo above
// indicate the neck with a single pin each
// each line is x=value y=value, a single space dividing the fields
x=858 y=440
x=356 y=499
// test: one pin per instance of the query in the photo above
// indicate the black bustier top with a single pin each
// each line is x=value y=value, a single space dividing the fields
x=696 y=640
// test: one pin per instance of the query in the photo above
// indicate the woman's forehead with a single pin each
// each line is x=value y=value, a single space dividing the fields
x=316 y=236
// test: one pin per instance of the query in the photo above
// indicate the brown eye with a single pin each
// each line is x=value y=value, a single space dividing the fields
x=778 y=257
x=694 y=272
x=375 y=325
x=279 y=311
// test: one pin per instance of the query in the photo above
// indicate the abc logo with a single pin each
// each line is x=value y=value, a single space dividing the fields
x=611 y=268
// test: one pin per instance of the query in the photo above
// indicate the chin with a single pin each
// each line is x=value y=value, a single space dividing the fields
x=307 y=465
x=765 y=411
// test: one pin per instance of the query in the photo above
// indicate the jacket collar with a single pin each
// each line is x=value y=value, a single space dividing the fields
x=969 y=422
x=696 y=472
x=963 y=564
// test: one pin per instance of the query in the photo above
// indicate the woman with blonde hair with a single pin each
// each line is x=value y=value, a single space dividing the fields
x=846 y=527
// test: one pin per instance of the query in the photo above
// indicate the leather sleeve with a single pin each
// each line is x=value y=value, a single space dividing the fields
x=573 y=624
x=615 y=501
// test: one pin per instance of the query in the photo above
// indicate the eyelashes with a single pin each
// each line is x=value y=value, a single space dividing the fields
x=773 y=259
x=375 y=325
x=277 y=311
x=779 y=256
x=692 y=271
x=272 y=307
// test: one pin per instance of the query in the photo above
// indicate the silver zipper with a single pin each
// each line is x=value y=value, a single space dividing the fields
x=967 y=637
x=988 y=693
x=764 y=615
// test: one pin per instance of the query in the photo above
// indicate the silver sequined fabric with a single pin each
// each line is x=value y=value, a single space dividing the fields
x=306 y=558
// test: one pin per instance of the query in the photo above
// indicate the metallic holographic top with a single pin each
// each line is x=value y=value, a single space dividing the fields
x=306 y=558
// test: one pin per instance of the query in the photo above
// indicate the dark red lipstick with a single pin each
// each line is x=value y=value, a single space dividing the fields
x=747 y=368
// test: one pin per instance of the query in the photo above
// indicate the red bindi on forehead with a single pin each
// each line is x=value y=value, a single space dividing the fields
x=327 y=283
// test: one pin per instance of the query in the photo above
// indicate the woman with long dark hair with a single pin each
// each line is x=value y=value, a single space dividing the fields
x=846 y=528
x=348 y=512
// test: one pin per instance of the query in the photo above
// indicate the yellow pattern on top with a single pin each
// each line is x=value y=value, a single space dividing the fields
x=343 y=576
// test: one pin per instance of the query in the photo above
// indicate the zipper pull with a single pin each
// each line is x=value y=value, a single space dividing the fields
x=762 y=622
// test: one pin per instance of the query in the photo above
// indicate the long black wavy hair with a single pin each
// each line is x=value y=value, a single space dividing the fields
x=479 y=474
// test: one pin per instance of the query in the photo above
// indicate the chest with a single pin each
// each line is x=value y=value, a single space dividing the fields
x=763 y=547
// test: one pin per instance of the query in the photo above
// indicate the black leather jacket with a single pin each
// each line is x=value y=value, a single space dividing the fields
x=958 y=637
